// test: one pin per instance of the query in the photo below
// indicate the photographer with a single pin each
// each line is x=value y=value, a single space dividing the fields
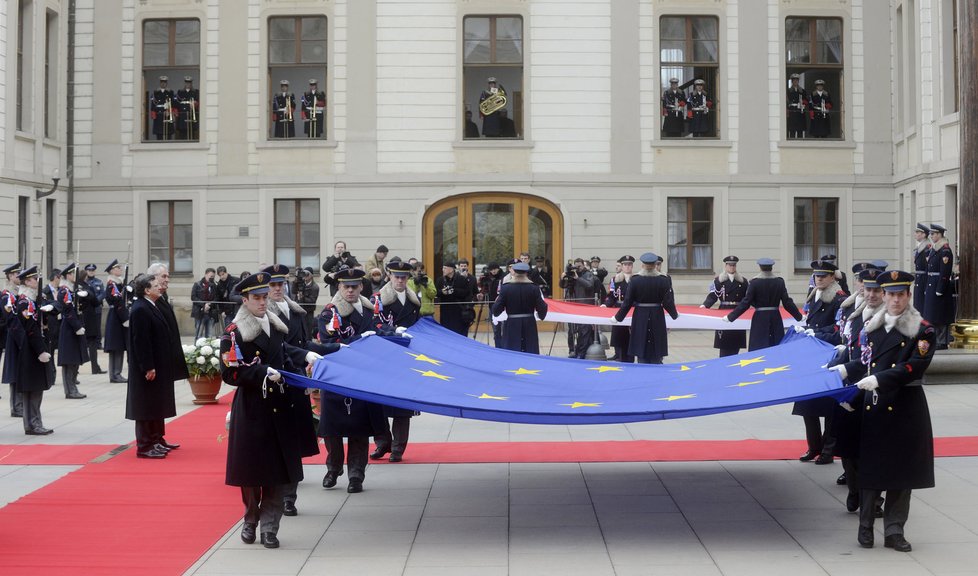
x=489 y=284
x=580 y=285
x=306 y=293
x=421 y=285
x=540 y=275
x=340 y=257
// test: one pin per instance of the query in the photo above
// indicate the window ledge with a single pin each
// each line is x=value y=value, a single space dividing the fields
x=295 y=143
x=52 y=143
x=906 y=134
x=169 y=145
x=25 y=136
x=692 y=143
x=818 y=143
x=947 y=120
x=492 y=144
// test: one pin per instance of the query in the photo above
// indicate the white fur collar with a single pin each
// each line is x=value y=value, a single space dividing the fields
x=866 y=311
x=828 y=294
x=854 y=298
x=653 y=272
x=388 y=295
x=736 y=277
x=293 y=306
x=936 y=246
x=923 y=245
x=250 y=326
x=907 y=324
x=765 y=274
x=28 y=293
x=115 y=279
x=521 y=279
x=345 y=308
x=622 y=277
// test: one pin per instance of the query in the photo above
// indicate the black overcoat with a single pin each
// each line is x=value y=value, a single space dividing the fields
x=520 y=298
x=797 y=109
x=920 y=276
x=766 y=327
x=450 y=292
x=72 y=348
x=620 y=335
x=651 y=296
x=116 y=335
x=819 y=126
x=149 y=350
x=728 y=292
x=14 y=335
x=394 y=315
x=939 y=298
x=845 y=424
x=180 y=370
x=32 y=374
x=821 y=319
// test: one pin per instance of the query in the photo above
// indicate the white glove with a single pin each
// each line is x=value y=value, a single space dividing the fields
x=47 y=308
x=342 y=345
x=841 y=369
x=614 y=320
x=368 y=333
x=311 y=357
x=702 y=306
x=847 y=407
x=938 y=293
x=406 y=335
x=799 y=329
x=841 y=347
x=125 y=324
x=809 y=332
x=868 y=383
x=273 y=374
x=83 y=293
x=129 y=289
x=725 y=319
x=400 y=330
x=80 y=332
x=44 y=357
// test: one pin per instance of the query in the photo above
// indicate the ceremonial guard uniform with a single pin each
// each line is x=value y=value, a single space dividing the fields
x=728 y=288
x=819 y=108
x=897 y=442
x=313 y=110
x=519 y=299
x=396 y=311
x=264 y=452
x=342 y=322
x=699 y=105
x=673 y=110
x=939 y=299
x=52 y=318
x=90 y=306
x=116 y=321
x=35 y=371
x=765 y=292
x=189 y=100
x=72 y=345
x=797 y=109
x=453 y=288
x=283 y=112
x=920 y=253
x=163 y=110
x=620 y=335
x=650 y=292
x=10 y=333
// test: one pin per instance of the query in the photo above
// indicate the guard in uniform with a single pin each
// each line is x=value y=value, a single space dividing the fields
x=620 y=335
x=116 y=321
x=348 y=317
x=189 y=100
x=896 y=443
x=264 y=454
x=728 y=288
x=395 y=310
x=673 y=110
x=819 y=108
x=90 y=307
x=920 y=251
x=283 y=111
x=823 y=307
x=650 y=293
x=797 y=109
x=520 y=298
x=699 y=106
x=939 y=299
x=35 y=372
x=9 y=330
x=765 y=292
x=52 y=318
x=72 y=345
x=313 y=110
x=163 y=110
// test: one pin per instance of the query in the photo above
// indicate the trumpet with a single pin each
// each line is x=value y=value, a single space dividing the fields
x=288 y=108
x=168 y=111
x=313 y=117
x=193 y=110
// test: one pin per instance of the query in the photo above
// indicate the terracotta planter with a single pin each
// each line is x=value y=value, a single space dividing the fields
x=205 y=388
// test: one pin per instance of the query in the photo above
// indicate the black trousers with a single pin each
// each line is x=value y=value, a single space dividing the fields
x=69 y=377
x=395 y=440
x=895 y=510
x=93 y=344
x=729 y=352
x=650 y=359
x=115 y=365
x=16 y=402
x=585 y=337
x=263 y=504
x=32 y=409
x=357 y=449
x=149 y=433
x=819 y=441
x=571 y=336
x=623 y=356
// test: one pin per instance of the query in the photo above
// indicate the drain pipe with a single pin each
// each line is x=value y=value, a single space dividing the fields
x=70 y=130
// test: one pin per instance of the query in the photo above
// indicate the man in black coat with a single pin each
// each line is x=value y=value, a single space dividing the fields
x=398 y=310
x=188 y=98
x=673 y=110
x=453 y=289
x=52 y=318
x=204 y=304
x=72 y=346
x=264 y=451
x=162 y=273
x=348 y=317
x=897 y=442
x=766 y=293
x=306 y=293
x=582 y=286
x=9 y=330
x=920 y=252
x=650 y=293
x=90 y=309
x=728 y=288
x=116 y=321
x=520 y=299
x=35 y=372
x=163 y=110
x=939 y=299
x=489 y=284
x=620 y=335
x=314 y=110
x=819 y=108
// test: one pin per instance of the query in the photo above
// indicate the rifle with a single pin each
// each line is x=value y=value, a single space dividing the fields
x=125 y=279
x=78 y=272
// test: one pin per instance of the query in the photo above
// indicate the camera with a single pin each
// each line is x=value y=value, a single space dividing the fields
x=570 y=271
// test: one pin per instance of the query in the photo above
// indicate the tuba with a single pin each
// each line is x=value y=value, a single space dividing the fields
x=493 y=103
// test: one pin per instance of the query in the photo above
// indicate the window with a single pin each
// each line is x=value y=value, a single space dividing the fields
x=297 y=233
x=493 y=77
x=813 y=50
x=24 y=79
x=51 y=75
x=297 y=55
x=816 y=229
x=949 y=56
x=171 y=55
x=690 y=229
x=23 y=227
x=689 y=50
x=171 y=235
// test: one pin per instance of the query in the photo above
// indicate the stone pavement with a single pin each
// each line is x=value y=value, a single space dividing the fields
x=685 y=518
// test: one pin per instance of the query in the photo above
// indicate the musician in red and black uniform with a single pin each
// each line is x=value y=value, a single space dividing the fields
x=698 y=107
x=673 y=110
x=188 y=98
x=163 y=110
x=313 y=110
x=284 y=112
x=819 y=108
x=797 y=109
x=116 y=321
x=728 y=288
x=617 y=289
x=72 y=345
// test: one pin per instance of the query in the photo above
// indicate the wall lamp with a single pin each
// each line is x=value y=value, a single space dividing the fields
x=42 y=193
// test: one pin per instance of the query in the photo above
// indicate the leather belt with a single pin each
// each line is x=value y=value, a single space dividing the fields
x=514 y=316
x=648 y=305
x=729 y=303
x=766 y=309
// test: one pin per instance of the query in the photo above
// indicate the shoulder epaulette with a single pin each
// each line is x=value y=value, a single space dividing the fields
x=231 y=328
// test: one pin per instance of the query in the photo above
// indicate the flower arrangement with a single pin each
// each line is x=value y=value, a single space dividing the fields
x=203 y=357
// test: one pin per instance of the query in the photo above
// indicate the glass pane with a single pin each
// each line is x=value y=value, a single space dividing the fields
x=476 y=28
x=159 y=240
x=281 y=28
x=476 y=51
x=183 y=213
x=702 y=209
x=159 y=213
x=314 y=51
x=826 y=249
x=281 y=52
x=540 y=233
x=827 y=232
x=314 y=28
x=803 y=210
x=828 y=209
x=804 y=233
x=677 y=234
x=183 y=237
x=702 y=257
x=309 y=211
x=445 y=240
x=702 y=233
x=285 y=235
x=509 y=51
x=829 y=30
x=188 y=31
x=797 y=30
x=284 y=211
x=677 y=258
x=676 y=210
x=829 y=52
x=156 y=31
x=705 y=28
x=156 y=55
x=285 y=256
x=804 y=254
x=672 y=51
x=309 y=235
x=672 y=28
x=799 y=52
x=310 y=258
x=186 y=54
x=705 y=51
x=509 y=28
x=493 y=232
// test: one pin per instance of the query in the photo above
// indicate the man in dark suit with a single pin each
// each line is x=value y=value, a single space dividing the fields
x=162 y=273
x=650 y=293
x=766 y=293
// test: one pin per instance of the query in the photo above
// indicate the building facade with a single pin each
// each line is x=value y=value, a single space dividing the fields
x=582 y=165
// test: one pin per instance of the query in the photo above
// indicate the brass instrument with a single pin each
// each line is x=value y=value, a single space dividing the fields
x=313 y=118
x=193 y=110
x=495 y=102
x=821 y=108
x=167 y=117
x=288 y=108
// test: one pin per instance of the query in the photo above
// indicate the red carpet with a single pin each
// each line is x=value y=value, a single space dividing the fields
x=47 y=454
x=127 y=515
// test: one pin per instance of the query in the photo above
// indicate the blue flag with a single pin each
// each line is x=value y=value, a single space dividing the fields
x=441 y=372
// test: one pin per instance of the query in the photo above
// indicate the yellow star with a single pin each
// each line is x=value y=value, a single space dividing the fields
x=742 y=384
x=488 y=397
x=683 y=397
x=524 y=371
x=768 y=371
x=682 y=368
x=431 y=374
x=603 y=369
x=583 y=405
x=747 y=362
x=423 y=358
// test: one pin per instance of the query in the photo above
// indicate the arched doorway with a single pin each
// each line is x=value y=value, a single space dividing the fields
x=493 y=227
